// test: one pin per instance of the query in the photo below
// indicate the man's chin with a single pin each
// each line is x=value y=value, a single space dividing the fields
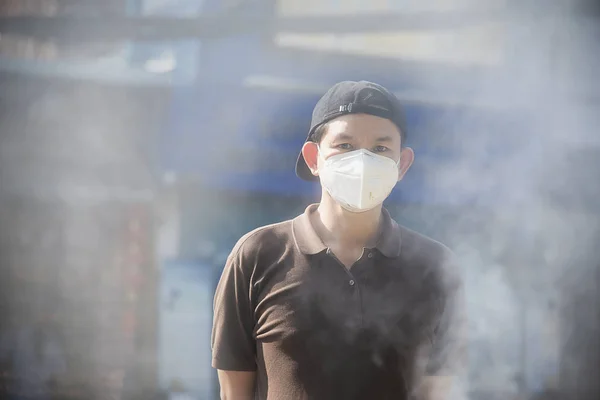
x=359 y=211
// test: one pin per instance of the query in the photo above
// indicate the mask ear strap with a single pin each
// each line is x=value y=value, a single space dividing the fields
x=319 y=152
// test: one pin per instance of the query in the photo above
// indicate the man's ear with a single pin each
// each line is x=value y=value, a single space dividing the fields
x=310 y=152
x=407 y=156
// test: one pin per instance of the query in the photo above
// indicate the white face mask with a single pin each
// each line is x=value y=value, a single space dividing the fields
x=359 y=180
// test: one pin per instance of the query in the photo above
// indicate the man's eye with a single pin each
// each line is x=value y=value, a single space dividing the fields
x=380 y=149
x=344 y=146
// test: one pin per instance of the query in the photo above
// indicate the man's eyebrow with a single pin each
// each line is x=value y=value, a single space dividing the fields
x=343 y=136
x=384 y=139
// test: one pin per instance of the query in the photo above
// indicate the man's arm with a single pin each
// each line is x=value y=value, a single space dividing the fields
x=233 y=343
x=237 y=385
x=437 y=388
x=448 y=357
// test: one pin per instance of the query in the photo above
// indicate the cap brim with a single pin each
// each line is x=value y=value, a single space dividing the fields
x=302 y=170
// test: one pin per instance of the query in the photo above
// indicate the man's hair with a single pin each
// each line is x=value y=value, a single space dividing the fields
x=317 y=135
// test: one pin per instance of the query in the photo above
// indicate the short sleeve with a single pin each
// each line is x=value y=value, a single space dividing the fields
x=233 y=344
x=448 y=356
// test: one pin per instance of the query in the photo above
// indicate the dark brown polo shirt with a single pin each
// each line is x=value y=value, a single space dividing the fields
x=312 y=329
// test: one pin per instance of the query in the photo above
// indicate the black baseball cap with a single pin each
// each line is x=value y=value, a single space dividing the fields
x=351 y=97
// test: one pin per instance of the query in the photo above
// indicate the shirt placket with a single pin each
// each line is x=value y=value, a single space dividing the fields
x=353 y=282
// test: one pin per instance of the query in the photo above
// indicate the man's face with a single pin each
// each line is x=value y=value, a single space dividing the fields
x=359 y=131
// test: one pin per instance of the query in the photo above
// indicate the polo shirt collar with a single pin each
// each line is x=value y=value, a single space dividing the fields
x=310 y=243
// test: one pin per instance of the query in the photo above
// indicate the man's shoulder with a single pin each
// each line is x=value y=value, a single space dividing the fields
x=429 y=254
x=415 y=244
x=264 y=239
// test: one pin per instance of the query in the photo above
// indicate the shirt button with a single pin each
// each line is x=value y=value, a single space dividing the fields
x=351 y=282
x=370 y=255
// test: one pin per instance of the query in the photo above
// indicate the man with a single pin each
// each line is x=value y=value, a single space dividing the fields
x=341 y=302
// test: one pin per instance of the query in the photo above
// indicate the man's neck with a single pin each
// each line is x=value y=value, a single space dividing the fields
x=339 y=227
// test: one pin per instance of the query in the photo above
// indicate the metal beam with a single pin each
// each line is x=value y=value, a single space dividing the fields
x=213 y=27
x=246 y=20
x=320 y=66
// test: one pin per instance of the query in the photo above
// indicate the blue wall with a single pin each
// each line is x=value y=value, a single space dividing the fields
x=248 y=139
x=231 y=136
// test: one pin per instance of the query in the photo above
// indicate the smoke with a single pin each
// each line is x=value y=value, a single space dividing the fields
x=525 y=162
x=526 y=159
x=75 y=205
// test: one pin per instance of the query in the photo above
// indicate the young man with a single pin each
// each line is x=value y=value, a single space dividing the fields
x=341 y=302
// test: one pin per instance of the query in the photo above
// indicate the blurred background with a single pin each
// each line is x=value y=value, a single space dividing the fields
x=139 y=139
